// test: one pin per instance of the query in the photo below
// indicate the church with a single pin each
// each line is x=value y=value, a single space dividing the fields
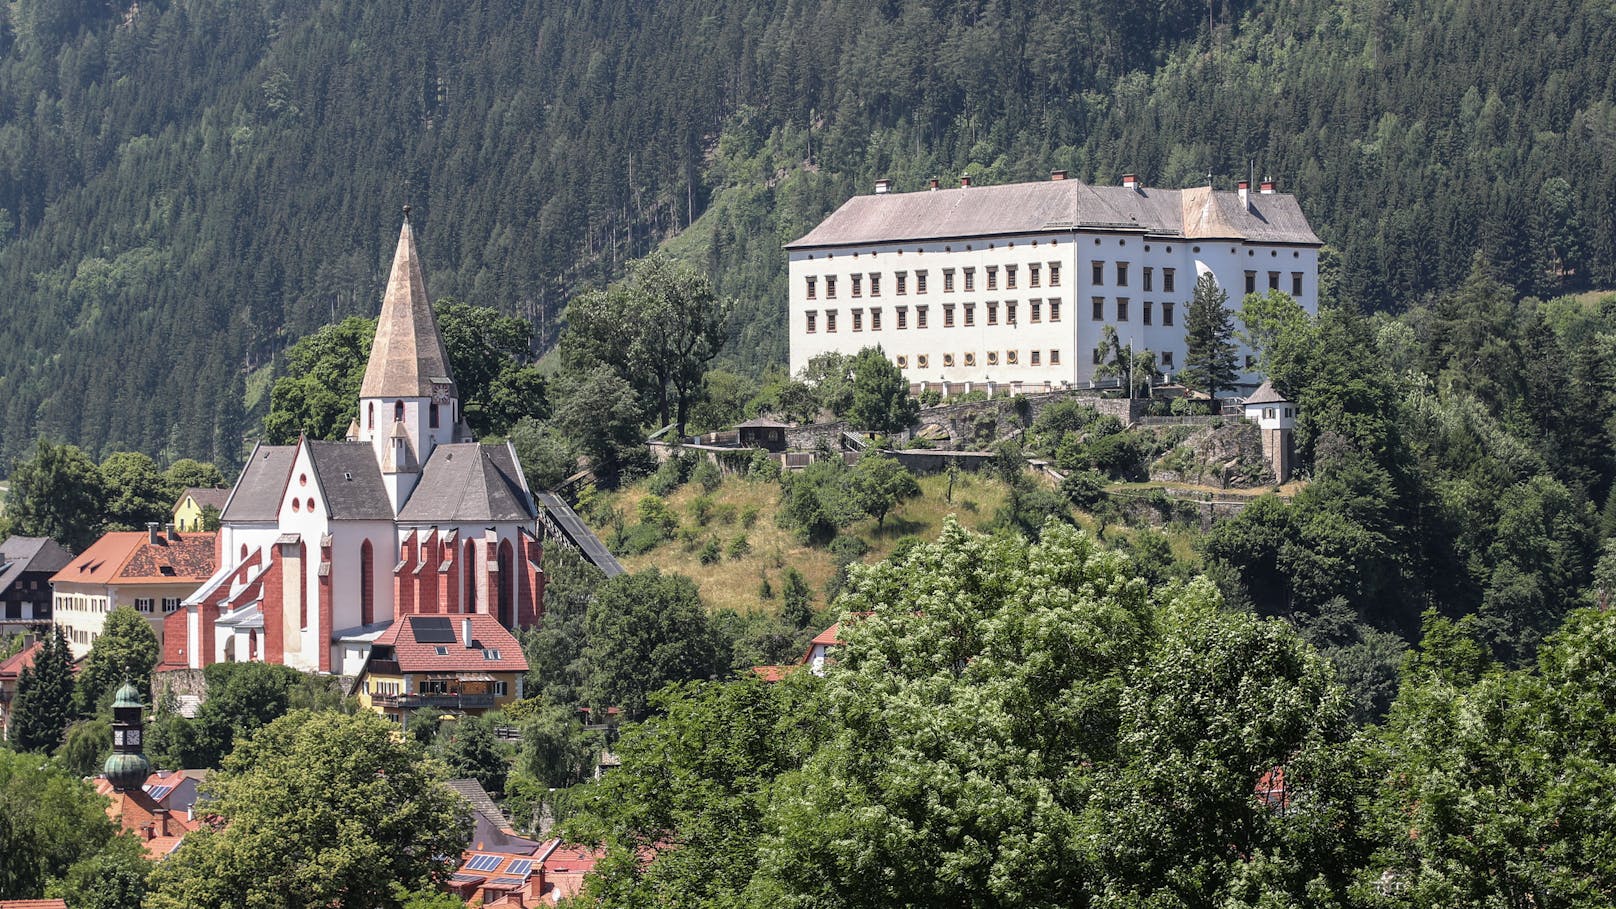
x=323 y=545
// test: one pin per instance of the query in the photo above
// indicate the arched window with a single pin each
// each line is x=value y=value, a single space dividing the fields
x=398 y=411
x=244 y=552
x=370 y=416
x=367 y=584
x=507 y=581
x=470 y=571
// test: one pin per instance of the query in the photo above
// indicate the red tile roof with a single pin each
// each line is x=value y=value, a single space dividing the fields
x=828 y=636
x=487 y=634
x=16 y=663
x=773 y=673
x=129 y=557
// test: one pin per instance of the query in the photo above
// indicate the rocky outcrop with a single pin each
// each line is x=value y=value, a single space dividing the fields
x=1226 y=456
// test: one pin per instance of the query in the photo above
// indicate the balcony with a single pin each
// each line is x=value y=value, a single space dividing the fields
x=444 y=701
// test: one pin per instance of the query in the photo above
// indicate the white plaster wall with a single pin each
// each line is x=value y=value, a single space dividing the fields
x=1077 y=333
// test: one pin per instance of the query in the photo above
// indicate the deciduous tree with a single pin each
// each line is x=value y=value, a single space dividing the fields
x=57 y=493
x=318 y=809
x=881 y=401
x=49 y=819
x=126 y=651
x=646 y=630
x=879 y=484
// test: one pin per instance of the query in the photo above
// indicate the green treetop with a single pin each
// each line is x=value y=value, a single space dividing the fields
x=126 y=651
x=43 y=705
x=318 y=809
x=881 y=401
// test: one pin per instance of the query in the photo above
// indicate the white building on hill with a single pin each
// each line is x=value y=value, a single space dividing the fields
x=1016 y=283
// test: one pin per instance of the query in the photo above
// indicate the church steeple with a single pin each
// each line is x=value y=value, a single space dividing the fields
x=408 y=403
x=407 y=359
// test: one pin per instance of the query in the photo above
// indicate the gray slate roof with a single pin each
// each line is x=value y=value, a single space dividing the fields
x=1266 y=394
x=258 y=492
x=578 y=533
x=350 y=481
x=1060 y=205
x=20 y=554
x=466 y=483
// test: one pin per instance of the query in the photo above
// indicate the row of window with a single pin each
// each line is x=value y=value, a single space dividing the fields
x=1124 y=311
x=1164 y=359
x=1035 y=278
x=146 y=604
x=426 y=686
x=1148 y=278
x=1036 y=311
x=72 y=601
x=79 y=636
x=1011 y=358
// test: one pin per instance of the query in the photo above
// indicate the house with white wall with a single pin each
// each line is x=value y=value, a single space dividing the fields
x=1016 y=284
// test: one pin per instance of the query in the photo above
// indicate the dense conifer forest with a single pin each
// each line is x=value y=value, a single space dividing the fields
x=189 y=186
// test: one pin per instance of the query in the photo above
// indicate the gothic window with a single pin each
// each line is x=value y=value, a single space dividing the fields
x=367 y=585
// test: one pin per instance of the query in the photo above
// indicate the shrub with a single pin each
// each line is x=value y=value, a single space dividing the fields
x=723 y=513
x=710 y=552
x=749 y=517
x=701 y=510
x=654 y=510
x=707 y=475
x=740 y=547
x=640 y=539
x=763 y=467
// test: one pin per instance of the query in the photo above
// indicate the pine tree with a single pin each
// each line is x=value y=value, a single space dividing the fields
x=1209 y=362
x=44 y=702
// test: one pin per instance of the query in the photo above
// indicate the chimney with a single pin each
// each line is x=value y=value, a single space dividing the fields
x=160 y=820
x=965 y=181
x=882 y=187
x=168 y=531
x=151 y=533
x=1245 y=193
x=465 y=631
x=1130 y=181
x=933 y=182
x=1057 y=175
x=1268 y=186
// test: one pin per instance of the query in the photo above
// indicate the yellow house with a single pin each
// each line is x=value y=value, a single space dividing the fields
x=466 y=664
x=188 y=511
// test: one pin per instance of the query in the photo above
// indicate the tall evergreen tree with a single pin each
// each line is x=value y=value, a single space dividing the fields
x=44 y=702
x=57 y=493
x=1209 y=363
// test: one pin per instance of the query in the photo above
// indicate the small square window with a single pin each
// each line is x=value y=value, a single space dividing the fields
x=1034 y=355
x=1167 y=359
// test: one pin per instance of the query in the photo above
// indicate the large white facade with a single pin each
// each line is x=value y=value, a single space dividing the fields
x=1017 y=284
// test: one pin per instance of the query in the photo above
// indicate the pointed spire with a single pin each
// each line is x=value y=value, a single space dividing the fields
x=408 y=353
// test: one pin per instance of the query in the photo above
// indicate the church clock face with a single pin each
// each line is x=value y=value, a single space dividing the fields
x=440 y=394
x=134 y=738
x=117 y=737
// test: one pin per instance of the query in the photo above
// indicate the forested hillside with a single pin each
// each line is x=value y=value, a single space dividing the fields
x=188 y=186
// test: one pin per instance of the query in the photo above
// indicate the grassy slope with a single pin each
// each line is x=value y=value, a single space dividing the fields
x=734 y=583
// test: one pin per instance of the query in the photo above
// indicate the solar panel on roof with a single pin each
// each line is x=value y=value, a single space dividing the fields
x=506 y=882
x=433 y=630
x=158 y=793
x=466 y=878
x=520 y=866
x=483 y=863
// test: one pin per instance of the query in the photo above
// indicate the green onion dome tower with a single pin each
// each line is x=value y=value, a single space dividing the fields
x=127 y=768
